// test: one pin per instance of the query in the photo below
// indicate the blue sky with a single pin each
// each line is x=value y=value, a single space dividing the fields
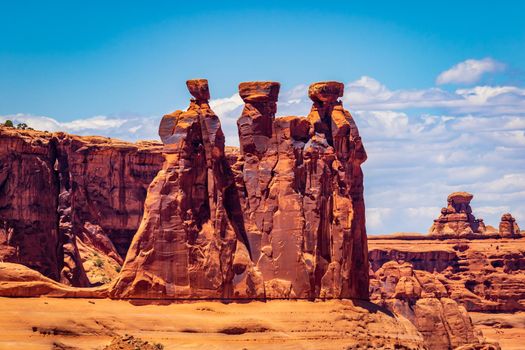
x=437 y=89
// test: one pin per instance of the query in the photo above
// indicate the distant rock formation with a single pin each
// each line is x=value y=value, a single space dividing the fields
x=56 y=188
x=282 y=219
x=457 y=219
x=483 y=275
x=508 y=227
x=423 y=299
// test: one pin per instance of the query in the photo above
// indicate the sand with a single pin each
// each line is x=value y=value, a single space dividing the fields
x=506 y=328
x=61 y=323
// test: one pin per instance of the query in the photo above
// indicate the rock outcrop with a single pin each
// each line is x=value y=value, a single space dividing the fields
x=17 y=280
x=188 y=239
x=457 y=219
x=508 y=227
x=282 y=219
x=54 y=186
x=424 y=300
x=484 y=275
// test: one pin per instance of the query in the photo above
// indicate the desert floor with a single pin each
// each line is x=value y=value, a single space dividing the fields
x=507 y=329
x=52 y=323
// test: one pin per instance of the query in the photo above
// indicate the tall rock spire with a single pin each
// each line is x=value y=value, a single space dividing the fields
x=185 y=245
x=287 y=222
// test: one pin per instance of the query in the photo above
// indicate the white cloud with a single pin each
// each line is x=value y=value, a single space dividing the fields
x=429 y=213
x=422 y=144
x=376 y=217
x=487 y=210
x=131 y=128
x=469 y=71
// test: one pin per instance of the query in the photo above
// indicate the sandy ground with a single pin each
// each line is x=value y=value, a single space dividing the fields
x=505 y=328
x=52 y=323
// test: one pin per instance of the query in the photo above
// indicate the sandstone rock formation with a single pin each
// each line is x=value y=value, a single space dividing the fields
x=16 y=280
x=508 y=227
x=282 y=219
x=457 y=219
x=192 y=231
x=484 y=275
x=424 y=300
x=54 y=186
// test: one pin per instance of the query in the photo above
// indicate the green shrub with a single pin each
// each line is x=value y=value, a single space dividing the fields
x=9 y=123
x=98 y=262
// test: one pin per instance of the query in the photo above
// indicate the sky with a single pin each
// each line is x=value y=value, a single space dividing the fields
x=437 y=88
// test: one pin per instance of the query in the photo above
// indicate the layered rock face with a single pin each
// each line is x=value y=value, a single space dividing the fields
x=424 y=300
x=57 y=188
x=484 y=275
x=508 y=227
x=192 y=229
x=28 y=202
x=282 y=219
x=457 y=219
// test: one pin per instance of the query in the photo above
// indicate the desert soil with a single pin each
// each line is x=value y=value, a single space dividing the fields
x=53 y=323
x=506 y=328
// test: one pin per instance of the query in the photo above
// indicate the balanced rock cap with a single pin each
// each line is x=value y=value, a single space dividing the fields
x=507 y=217
x=199 y=88
x=326 y=91
x=259 y=91
x=460 y=197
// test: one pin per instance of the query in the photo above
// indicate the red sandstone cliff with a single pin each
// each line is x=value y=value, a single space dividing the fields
x=56 y=188
x=480 y=274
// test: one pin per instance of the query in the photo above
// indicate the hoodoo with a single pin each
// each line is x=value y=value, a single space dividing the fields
x=508 y=227
x=285 y=219
x=457 y=219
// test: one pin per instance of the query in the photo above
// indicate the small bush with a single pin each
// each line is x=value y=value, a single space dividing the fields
x=9 y=123
x=98 y=262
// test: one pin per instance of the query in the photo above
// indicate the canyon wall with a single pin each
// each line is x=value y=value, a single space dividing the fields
x=57 y=188
x=484 y=275
x=284 y=218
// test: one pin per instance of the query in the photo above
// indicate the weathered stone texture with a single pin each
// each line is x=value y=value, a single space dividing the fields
x=284 y=218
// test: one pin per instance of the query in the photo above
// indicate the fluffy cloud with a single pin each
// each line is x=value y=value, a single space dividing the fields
x=376 y=217
x=131 y=128
x=469 y=71
x=422 y=145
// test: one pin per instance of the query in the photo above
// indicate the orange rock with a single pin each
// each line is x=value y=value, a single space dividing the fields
x=20 y=281
x=282 y=219
x=508 y=227
x=327 y=91
x=199 y=89
x=256 y=121
x=456 y=220
x=423 y=299
x=259 y=91
x=484 y=275
x=192 y=235
x=52 y=184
